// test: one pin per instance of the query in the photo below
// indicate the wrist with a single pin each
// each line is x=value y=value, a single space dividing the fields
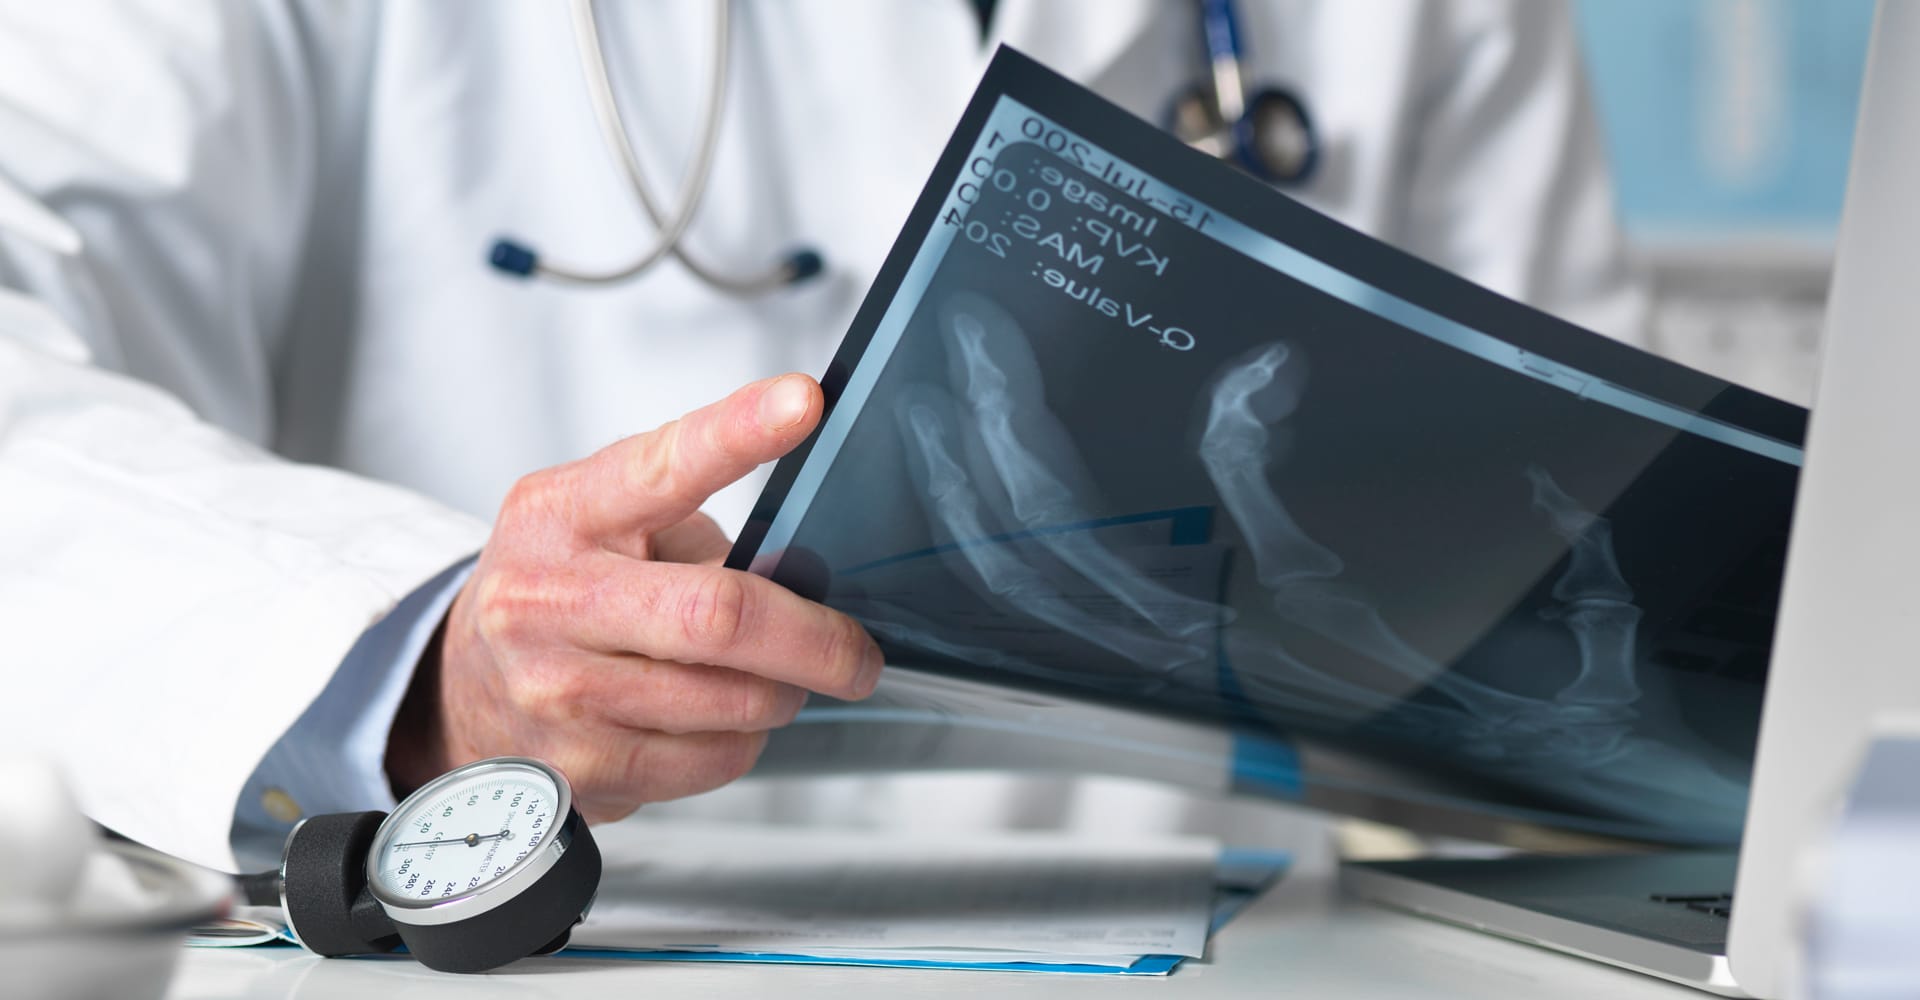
x=417 y=741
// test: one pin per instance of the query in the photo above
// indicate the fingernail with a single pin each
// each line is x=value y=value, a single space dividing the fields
x=870 y=668
x=784 y=403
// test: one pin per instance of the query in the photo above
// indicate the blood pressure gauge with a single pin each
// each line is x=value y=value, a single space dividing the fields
x=484 y=865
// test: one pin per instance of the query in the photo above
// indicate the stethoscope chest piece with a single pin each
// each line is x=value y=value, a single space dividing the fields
x=1266 y=131
x=1273 y=139
x=1277 y=134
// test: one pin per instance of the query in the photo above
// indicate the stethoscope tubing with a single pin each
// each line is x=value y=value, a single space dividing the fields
x=613 y=132
x=1238 y=119
x=1220 y=30
x=671 y=228
x=1237 y=137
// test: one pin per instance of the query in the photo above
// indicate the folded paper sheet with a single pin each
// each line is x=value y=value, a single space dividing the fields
x=841 y=895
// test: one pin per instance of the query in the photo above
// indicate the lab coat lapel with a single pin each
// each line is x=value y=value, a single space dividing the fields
x=1077 y=38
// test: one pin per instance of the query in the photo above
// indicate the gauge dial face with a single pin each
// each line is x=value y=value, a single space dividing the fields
x=465 y=830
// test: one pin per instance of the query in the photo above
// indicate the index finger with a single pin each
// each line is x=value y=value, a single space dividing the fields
x=728 y=618
x=651 y=481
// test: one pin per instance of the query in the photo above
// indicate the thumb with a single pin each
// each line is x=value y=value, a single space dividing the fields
x=650 y=481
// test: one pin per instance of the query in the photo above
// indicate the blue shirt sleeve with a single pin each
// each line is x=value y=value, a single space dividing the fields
x=333 y=758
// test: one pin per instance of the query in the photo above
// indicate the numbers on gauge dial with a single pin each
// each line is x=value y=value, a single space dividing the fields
x=466 y=835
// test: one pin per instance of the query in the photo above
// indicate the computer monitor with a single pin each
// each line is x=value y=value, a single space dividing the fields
x=1845 y=649
x=1116 y=423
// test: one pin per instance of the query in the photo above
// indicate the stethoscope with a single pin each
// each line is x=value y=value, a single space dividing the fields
x=514 y=257
x=1269 y=134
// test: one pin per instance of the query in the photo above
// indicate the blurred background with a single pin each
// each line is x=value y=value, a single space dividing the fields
x=1729 y=123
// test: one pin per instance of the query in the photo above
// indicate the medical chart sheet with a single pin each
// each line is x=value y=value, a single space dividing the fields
x=980 y=898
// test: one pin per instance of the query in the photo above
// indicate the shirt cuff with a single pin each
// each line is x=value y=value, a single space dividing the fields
x=333 y=758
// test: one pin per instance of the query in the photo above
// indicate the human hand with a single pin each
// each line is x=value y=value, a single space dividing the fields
x=600 y=632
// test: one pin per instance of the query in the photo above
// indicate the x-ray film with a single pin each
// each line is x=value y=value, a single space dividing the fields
x=1121 y=424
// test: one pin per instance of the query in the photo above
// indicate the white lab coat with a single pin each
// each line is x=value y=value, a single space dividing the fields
x=229 y=230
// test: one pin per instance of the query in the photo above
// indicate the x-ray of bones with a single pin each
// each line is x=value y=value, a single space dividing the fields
x=953 y=500
x=1004 y=424
x=1003 y=392
x=1586 y=725
x=1597 y=605
x=1297 y=570
x=988 y=459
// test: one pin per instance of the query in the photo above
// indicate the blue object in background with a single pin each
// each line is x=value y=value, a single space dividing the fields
x=1726 y=116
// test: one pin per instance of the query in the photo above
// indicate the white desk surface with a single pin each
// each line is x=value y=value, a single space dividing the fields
x=1300 y=940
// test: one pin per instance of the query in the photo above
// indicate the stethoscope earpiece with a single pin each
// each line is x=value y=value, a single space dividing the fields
x=1275 y=138
x=802 y=264
x=509 y=257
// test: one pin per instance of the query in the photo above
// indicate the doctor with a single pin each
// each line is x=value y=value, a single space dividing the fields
x=236 y=237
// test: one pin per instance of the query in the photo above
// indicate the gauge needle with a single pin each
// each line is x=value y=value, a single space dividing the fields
x=470 y=840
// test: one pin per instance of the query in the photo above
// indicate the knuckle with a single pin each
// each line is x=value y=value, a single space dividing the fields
x=496 y=612
x=651 y=468
x=762 y=704
x=716 y=611
x=736 y=755
x=541 y=513
x=846 y=655
x=511 y=606
x=549 y=689
x=534 y=494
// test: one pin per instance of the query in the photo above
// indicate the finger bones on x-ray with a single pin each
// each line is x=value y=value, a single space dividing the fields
x=1297 y=570
x=1596 y=603
x=1587 y=718
x=1033 y=456
x=990 y=455
x=954 y=503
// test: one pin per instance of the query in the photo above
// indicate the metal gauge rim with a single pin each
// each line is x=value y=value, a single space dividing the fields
x=285 y=908
x=494 y=892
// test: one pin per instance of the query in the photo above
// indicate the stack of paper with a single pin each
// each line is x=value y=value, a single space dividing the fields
x=1019 y=902
x=1035 y=901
